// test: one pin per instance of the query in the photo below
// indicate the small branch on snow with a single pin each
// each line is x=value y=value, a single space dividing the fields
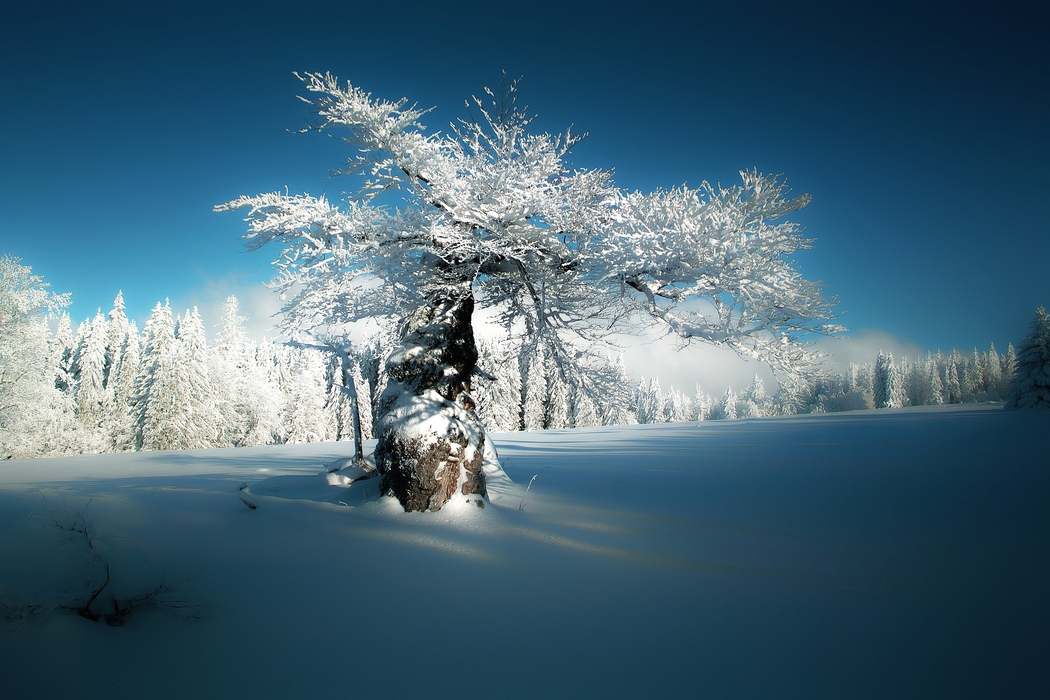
x=521 y=506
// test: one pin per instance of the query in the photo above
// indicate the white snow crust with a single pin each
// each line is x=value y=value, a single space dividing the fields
x=897 y=553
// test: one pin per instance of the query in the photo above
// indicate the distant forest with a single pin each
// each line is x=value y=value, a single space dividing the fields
x=112 y=388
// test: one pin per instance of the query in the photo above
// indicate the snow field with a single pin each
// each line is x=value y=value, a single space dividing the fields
x=897 y=553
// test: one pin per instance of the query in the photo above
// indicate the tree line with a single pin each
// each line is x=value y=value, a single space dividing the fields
x=110 y=387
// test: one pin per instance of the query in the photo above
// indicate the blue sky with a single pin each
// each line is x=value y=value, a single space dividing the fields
x=920 y=132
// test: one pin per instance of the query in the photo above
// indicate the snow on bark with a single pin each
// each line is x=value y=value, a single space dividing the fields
x=431 y=443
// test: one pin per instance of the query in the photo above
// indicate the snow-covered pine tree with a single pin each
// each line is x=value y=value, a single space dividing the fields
x=196 y=419
x=651 y=408
x=702 y=404
x=534 y=387
x=1030 y=388
x=91 y=399
x=785 y=401
x=493 y=215
x=727 y=409
x=556 y=415
x=993 y=374
x=265 y=399
x=61 y=352
x=228 y=376
x=755 y=396
x=154 y=413
x=953 y=392
x=640 y=401
x=123 y=429
x=584 y=413
x=305 y=419
x=677 y=408
x=618 y=400
x=116 y=332
x=882 y=382
x=975 y=371
x=1009 y=369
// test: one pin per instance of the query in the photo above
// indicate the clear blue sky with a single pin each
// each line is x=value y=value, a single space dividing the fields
x=921 y=133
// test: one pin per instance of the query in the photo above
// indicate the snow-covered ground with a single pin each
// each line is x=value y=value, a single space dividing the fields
x=895 y=553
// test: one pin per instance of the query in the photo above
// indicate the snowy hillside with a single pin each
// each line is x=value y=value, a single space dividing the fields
x=897 y=553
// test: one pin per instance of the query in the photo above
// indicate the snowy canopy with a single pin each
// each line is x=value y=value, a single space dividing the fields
x=559 y=250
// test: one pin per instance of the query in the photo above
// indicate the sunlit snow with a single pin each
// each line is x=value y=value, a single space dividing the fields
x=893 y=553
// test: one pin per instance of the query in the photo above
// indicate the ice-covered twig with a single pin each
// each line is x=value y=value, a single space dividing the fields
x=521 y=506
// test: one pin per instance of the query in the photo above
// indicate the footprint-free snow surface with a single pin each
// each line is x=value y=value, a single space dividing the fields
x=873 y=554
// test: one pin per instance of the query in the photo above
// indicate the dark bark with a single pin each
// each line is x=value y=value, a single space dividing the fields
x=430 y=440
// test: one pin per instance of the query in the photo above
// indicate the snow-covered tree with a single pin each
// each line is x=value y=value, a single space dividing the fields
x=196 y=419
x=493 y=215
x=702 y=404
x=1009 y=368
x=534 y=383
x=585 y=413
x=755 y=399
x=29 y=400
x=677 y=408
x=91 y=398
x=305 y=419
x=883 y=381
x=727 y=409
x=1031 y=383
x=154 y=406
x=993 y=373
x=650 y=402
x=618 y=401
x=117 y=326
x=122 y=377
x=61 y=354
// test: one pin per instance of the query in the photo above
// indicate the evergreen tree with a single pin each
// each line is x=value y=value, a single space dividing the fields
x=556 y=413
x=676 y=407
x=702 y=404
x=116 y=335
x=91 y=399
x=618 y=402
x=534 y=381
x=993 y=373
x=195 y=415
x=584 y=414
x=953 y=392
x=156 y=387
x=123 y=428
x=61 y=352
x=755 y=397
x=1009 y=368
x=305 y=419
x=727 y=409
x=1030 y=388
x=976 y=373
x=936 y=393
x=497 y=387
x=882 y=382
x=654 y=403
x=266 y=400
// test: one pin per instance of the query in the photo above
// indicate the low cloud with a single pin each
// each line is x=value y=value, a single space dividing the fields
x=258 y=304
x=863 y=345
x=714 y=368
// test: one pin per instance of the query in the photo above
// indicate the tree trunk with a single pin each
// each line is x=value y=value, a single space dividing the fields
x=431 y=443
